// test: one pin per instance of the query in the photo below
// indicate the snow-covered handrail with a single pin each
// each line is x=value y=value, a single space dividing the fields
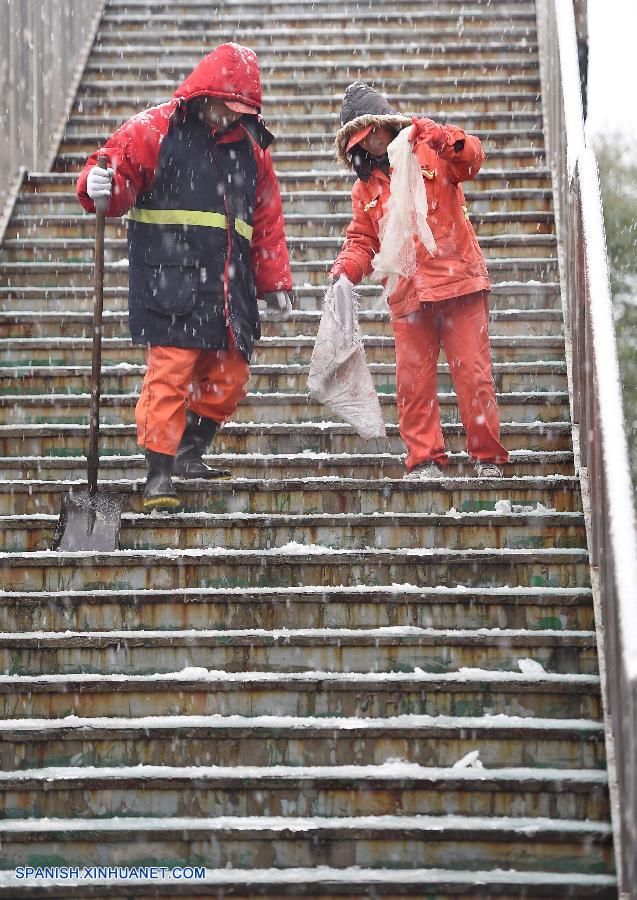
x=599 y=437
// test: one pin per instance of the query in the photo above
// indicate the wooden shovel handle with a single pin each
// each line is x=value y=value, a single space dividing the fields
x=101 y=205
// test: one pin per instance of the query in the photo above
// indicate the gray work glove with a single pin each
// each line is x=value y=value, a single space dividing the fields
x=278 y=306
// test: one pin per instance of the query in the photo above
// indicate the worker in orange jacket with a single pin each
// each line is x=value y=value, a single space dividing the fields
x=445 y=302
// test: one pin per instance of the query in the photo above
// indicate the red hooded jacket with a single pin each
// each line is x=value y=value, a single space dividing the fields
x=230 y=72
x=458 y=266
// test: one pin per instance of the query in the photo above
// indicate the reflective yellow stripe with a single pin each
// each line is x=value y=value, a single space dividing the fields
x=243 y=229
x=188 y=217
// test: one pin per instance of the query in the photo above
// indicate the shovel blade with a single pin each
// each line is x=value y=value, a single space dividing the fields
x=88 y=523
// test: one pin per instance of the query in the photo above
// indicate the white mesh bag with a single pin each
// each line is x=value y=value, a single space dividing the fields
x=405 y=218
x=339 y=375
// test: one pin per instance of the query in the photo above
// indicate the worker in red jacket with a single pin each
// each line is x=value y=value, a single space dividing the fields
x=206 y=238
x=445 y=302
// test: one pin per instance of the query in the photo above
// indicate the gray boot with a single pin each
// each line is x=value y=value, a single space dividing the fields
x=195 y=440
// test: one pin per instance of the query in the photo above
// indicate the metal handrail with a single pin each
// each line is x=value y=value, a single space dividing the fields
x=599 y=437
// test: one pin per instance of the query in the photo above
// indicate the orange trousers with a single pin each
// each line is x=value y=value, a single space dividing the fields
x=210 y=382
x=460 y=325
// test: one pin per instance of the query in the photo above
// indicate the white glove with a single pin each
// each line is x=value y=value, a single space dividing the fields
x=278 y=306
x=99 y=182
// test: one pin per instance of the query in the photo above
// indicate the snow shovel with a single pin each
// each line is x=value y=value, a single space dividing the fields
x=88 y=520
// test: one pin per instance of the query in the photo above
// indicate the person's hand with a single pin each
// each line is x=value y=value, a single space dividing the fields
x=428 y=132
x=99 y=182
x=278 y=306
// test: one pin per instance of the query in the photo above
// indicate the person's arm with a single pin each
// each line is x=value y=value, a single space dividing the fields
x=361 y=242
x=461 y=152
x=132 y=153
x=269 y=257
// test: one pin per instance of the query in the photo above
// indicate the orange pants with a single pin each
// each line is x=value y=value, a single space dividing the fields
x=211 y=382
x=460 y=325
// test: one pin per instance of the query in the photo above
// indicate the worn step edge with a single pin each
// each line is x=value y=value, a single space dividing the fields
x=307 y=637
x=300 y=881
x=296 y=341
x=497 y=287
x=249 y=429
x=400 y=593
x=323 y=483
x=52 y=370
x=506 y=174
x=261 y=400
x=296 y=554
x=200 y=679
x=520 y=514
x=495 y=725
x=397 y=772
x=533 y=828
x=541 y=457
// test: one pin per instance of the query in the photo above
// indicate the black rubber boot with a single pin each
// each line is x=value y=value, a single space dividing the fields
x=195 y=440
x=159 y=492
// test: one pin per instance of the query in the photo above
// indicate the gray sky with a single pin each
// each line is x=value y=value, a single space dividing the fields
x=612 y=98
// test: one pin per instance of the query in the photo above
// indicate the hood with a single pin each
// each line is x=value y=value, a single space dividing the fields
x=364 y=106
x=230 y=72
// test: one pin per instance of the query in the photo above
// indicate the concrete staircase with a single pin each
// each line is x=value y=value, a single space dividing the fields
x=276 y=682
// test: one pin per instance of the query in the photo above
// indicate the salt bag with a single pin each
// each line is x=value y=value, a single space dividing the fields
x=339 y=376
x=405 y=218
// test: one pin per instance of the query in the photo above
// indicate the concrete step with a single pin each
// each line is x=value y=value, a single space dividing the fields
x=389 y=789
x=389 y=649
x=306 y=271
x=483 y=203
x=308 y=693
x=119 y=409
x=520 y=96
x=403 y=841
x=292 y=465
x=346 y=70
x=129 y=56
x=21 y=302
x=319 y=494
x=486 y=179
x=291 y=34
x=296 y=350
x=292 y=741
x=307 y=14
x=526 y=526
x=297 y=437
x=550 y=610
x=351 y=882
x=297 y=224
x=508 y=377
x=292 y=565
x=72 y=157
x=307 y=248
x=40 y=323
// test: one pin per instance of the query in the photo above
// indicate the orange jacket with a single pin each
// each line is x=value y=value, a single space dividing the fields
x=458 y=266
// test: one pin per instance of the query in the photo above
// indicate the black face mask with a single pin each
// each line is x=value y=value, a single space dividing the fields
x=363 y=163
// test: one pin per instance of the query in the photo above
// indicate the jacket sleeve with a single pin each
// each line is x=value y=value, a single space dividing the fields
x=269 y=258
x=463 y=163
x=361 y=242
x=132 y=152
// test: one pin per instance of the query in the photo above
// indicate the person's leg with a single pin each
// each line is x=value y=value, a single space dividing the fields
x=161 y=409
x=161 y=417
x=417 y=350
x=465 y=338
x=219 y=382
